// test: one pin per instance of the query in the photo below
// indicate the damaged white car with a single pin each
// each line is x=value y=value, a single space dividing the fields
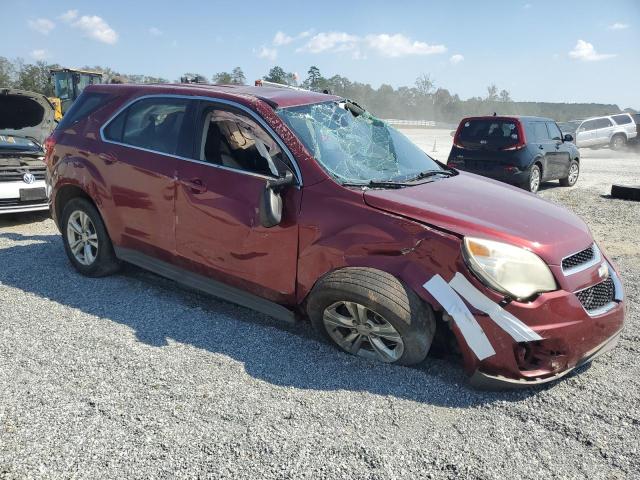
x=26 y=120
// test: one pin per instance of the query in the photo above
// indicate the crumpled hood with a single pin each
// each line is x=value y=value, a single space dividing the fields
x=468 y=204
x=26 y=114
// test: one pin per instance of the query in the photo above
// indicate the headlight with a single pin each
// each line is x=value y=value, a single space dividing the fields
x=511 y=270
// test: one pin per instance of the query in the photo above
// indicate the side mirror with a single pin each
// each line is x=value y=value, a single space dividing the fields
x=270 y=207
x=568 y=138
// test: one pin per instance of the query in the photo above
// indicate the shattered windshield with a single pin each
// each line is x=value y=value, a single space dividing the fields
x=354 y=146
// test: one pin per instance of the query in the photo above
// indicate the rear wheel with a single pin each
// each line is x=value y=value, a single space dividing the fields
x=535 y=177
x=86 y=240
x=572 y=177
x=618 y=141
x=371 y=314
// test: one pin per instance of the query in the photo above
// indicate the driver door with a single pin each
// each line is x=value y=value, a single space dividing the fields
x=218 y=230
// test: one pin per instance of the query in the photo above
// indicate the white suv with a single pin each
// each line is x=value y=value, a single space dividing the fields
x=612 y=130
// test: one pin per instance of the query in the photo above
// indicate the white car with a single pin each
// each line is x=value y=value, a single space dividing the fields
x=610 y=130
x=26 y=120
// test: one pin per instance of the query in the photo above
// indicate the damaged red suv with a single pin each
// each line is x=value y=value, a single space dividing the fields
x=298 y=203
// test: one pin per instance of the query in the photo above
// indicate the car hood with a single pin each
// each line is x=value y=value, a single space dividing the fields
x=26 y=114
x=468 y=204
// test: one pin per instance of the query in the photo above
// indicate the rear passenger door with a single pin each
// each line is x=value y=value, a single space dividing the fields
x=605 y=131
x=140 y=159
x=218 y=229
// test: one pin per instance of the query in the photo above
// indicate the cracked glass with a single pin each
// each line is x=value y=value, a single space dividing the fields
x=354 y=146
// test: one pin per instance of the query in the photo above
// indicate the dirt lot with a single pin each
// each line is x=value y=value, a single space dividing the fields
x=130 y=376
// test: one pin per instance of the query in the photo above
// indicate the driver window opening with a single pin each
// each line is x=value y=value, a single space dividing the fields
x=232 y=141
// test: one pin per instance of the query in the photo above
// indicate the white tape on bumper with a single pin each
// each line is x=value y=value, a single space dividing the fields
x=453 y=304
x=510 y=324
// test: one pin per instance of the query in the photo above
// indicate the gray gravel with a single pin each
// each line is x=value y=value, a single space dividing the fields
x=132 y=376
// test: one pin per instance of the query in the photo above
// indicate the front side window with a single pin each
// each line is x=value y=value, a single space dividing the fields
x=152 y=124
x=554 y=131
x=235 y=141
x=355 y=147
x=589 y=125
x=540 y=132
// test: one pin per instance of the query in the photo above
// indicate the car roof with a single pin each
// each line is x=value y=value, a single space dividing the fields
x=275 y=96
x=510 y=117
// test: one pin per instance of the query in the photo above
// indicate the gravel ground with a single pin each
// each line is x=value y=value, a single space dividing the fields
x=131 y=376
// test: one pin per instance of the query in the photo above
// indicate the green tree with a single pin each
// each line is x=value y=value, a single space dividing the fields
x=222 y=78
x=315 y=81
x=425 y=84
x=505 y=96
x=492 y=93
x=237 y=76
x=6 y=72
x=34 y=77
x=276 y=75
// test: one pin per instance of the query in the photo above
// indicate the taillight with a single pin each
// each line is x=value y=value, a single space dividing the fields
x=511 y=169
x=49 y=144
x=517 y=146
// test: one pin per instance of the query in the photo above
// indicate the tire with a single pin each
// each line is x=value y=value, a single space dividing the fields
x=531 y=185
x=618 y=141
x=88 y=229
x=574 y=172
x=626 y=192
x=350 y=307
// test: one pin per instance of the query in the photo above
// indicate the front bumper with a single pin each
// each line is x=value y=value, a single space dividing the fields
x=10 y=197
x=486 y=381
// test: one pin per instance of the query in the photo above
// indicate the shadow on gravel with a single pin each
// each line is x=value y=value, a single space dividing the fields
x=157 y=310
x=13 y=219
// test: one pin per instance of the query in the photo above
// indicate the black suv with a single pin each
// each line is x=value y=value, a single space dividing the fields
x=522 y=151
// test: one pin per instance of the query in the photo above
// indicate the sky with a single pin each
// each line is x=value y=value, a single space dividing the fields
x=538 y=50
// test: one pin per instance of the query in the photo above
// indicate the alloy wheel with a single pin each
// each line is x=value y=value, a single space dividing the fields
x=574 y=171
x=82 y=237
x=534 y=181
x=363 y=332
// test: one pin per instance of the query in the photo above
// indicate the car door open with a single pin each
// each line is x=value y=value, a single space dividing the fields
x=220 y=229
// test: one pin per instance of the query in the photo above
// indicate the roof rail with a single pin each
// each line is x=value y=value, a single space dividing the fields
x=265 y=83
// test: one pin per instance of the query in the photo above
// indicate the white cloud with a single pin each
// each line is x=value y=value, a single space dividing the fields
x=586 y=52
x=268 y=53
x=39 y=54
x=69 y=16
x=399 y=46
x=618 y=26
x=455 y=59
x=41 y=25
x=96 y=28
x=156 y=32
x=330 y=41
x=282 y=38
x=396 y=45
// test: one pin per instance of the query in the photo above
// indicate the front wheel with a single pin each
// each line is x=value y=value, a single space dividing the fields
x=572 y=177
x=371 y=314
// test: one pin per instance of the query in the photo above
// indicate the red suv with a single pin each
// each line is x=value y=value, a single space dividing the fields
x=292 y=202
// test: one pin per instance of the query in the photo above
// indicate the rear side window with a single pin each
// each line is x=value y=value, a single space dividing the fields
x=621 y=119
x=539 y=132
x=498 y=133
x=152 y=124
x=85 y=105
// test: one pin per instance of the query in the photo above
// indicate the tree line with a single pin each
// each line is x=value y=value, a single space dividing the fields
x=425 y=100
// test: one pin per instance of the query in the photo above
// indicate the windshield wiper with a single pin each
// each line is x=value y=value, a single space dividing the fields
x=378 y=184
x=431 y=173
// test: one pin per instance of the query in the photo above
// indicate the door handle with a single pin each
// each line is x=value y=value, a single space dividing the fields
x=195 y=185
x=541 y=147
x=108 y=158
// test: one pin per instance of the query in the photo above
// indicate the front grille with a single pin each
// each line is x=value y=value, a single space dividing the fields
x=15 y=174
x=15 y=202
x=598 y=296
x=579 y=258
